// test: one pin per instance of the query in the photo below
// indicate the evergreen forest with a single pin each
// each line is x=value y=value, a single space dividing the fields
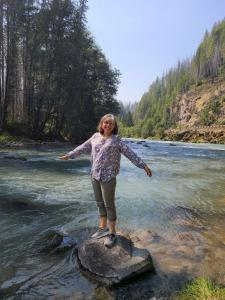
x=55 y=81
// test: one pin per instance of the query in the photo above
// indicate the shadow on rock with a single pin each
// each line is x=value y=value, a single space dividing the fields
x=157 y=286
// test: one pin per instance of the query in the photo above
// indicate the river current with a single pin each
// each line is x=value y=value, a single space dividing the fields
x=42 y=194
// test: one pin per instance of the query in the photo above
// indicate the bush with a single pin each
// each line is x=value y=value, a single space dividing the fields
x=220 y=122
x=205 y=116
x=201 y=289
x=209 y=113
x=6 y=137
x=16 y=128
x=199 y=83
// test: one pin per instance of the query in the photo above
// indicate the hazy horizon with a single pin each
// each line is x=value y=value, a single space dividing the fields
x=147 y=38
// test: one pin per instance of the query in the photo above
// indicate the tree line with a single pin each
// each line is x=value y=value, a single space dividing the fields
x=54 y=80
x=154 y=114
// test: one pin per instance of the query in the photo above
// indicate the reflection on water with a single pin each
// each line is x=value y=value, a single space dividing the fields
x=183 y=203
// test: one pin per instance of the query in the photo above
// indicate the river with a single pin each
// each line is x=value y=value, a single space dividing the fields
x=43 y=194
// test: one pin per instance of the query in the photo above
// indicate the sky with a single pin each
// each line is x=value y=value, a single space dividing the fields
x=145 y=38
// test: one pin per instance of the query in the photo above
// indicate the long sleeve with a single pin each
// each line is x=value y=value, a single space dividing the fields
x=133 y=157
x=84 y=148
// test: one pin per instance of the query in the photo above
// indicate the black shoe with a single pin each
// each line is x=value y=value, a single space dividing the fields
x=110 y=240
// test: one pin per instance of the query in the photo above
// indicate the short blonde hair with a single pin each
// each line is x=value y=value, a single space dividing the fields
x=108 y=116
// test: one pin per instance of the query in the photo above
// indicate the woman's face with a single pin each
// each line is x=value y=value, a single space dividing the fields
x=108 y=126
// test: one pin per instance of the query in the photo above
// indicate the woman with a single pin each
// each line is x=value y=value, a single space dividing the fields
x=106 y=148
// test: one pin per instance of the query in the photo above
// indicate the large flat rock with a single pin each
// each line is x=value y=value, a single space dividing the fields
x=124 y=260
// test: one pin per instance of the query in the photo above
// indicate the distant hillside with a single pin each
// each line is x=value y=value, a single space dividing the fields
x=190 y=95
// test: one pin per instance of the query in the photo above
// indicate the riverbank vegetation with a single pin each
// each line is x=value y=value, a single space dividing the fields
x=7 y=138
x=55 y=82
x=201 y=289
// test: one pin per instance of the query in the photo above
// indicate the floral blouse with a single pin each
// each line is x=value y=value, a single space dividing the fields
x=106 y=155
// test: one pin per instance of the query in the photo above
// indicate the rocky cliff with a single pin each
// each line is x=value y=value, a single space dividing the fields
x=203 y=104
x=200 y=114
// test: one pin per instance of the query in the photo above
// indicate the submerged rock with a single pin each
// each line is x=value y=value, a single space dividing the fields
x=15 y=156
x=146 y=145
x=53 y=242
x=141 y=142
x=111 y=266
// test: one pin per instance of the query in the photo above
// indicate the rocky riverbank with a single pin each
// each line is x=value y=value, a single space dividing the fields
x=197 y=134
x=26 y=143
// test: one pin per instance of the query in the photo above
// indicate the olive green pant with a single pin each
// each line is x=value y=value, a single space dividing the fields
x=105 y=198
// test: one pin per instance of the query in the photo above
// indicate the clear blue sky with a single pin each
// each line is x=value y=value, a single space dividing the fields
x=144 y=38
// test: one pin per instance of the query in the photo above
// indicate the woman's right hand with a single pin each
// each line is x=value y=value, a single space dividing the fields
x=64 y=157
x=148 y=171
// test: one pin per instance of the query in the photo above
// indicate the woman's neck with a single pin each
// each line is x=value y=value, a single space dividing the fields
x=106 y=136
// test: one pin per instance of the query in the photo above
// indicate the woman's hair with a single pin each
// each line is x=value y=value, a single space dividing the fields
x=108 y=116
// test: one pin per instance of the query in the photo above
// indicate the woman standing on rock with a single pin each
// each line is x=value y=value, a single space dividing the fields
x=106 y=148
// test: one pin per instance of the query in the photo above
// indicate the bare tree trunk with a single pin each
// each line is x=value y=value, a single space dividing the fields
x=10 y=100
x=1 y=67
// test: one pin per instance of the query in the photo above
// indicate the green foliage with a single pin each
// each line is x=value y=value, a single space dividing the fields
x=201 y=289
x=210 y=55
x=16 y=128
x=221 y=122
x=6 y=137
x=68 y=83
x=199 y=82
x=125 y=114
x=128 y=119
x=205 y=117
x=208 y=113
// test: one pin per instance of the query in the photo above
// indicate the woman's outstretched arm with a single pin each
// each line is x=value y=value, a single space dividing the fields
x=82 y=149
x=134 y=158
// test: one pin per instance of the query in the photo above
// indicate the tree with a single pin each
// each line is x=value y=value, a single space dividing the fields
x=54 y=79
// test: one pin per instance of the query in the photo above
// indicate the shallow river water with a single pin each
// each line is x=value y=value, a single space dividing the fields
x=183 y=204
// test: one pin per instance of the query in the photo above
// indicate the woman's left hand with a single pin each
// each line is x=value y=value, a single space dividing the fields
x=148 y=171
